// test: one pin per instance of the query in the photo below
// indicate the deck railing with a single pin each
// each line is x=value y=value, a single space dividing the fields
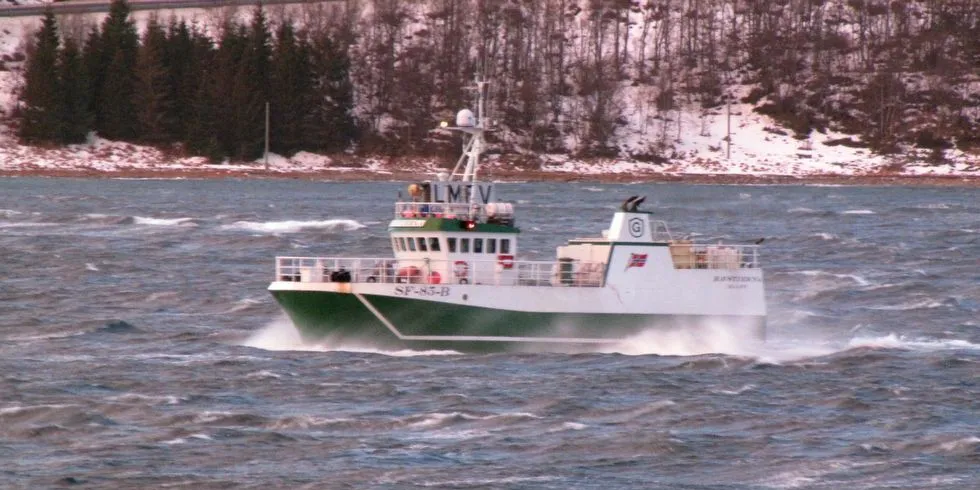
x=463 y=211
x=489 y=272
x=687 y=255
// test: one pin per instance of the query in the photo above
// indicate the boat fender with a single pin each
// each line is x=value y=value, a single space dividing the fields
x=505 y=261
x=372 y=279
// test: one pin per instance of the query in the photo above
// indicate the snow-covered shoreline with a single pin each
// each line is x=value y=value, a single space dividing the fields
x=695 y=149
x=404 y=170
x=101 y=158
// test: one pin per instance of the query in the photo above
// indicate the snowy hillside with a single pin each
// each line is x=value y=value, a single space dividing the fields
x=649 y=137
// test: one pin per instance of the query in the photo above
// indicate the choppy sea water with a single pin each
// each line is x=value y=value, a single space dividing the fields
x=139 y=349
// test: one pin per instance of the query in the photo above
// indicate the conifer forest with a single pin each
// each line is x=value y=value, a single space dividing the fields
x=568 y=77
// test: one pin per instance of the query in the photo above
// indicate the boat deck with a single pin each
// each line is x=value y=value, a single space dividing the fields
x=558 y=273
x=479 y=272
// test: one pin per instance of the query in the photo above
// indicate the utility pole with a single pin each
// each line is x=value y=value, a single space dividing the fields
x=267 y=135
x=728 y=129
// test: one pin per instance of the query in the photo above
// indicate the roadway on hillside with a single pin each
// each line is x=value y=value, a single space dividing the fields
x=91 y=6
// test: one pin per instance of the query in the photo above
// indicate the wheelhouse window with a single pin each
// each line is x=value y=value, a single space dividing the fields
x=464 y=245
x=422 y=247
x=452 y=245
x=434 y=244
x=478 y=245
x=395 y=245
x=411 y=244
x=505 y=245
x=491 y=246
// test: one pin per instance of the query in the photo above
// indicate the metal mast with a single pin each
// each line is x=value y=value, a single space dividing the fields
x=475 y=143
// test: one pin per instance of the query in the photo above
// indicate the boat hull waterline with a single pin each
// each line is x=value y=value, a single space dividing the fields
x=386 y=318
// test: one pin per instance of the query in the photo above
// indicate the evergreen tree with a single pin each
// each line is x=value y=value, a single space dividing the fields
x=40 y=96
x=92 y=52
x=151 y=98
x=250 y=88
x=185 y=59
x=334 y=126
x=291 y=94
x=120 y=44
x=212 y=131
x=74 y=117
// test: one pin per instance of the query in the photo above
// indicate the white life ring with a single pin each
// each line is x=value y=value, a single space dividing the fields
x=461 y=268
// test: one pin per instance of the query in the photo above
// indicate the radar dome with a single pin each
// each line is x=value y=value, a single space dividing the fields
x=465 y=119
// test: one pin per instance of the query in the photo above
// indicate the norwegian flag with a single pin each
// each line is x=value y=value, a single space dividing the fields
x=636 y=260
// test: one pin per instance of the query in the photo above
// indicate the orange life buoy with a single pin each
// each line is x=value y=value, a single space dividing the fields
x=435 y=277
x=410 y=274
x=505 y=261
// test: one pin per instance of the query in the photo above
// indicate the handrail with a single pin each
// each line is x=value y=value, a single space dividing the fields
x=504 y=271
x=689 y=255
x=439 y=210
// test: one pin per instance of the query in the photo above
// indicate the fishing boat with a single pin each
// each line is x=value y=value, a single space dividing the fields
x=456 y=281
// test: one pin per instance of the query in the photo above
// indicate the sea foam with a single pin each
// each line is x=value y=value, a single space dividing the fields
x=291 y=226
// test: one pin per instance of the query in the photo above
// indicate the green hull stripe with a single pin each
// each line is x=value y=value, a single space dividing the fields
x=429 y=324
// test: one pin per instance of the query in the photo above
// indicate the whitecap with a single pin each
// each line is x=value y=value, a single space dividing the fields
x=242 y=304
x=924 y=304
x=47 y=336
x=858 y=211
x=709 y=337
x=263 y=375
x=150 y=399
x=291 y=226
x=817 y=273
x=207 y=417
x=182 y=440
x=27 y=225
x=438 y=418
x=488 y=482
x=737 y=391
x=569 y=426
x=141 y=220
x=893 y=341
x=91 y=267
x=16 y=409
x=959 y=445
x=304 y=422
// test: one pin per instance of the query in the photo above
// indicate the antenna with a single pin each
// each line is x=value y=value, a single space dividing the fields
x=474 y=125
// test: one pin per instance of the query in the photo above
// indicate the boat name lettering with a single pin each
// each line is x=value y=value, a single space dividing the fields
x=737 y=279
x=450 y=192
x=423 y=291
